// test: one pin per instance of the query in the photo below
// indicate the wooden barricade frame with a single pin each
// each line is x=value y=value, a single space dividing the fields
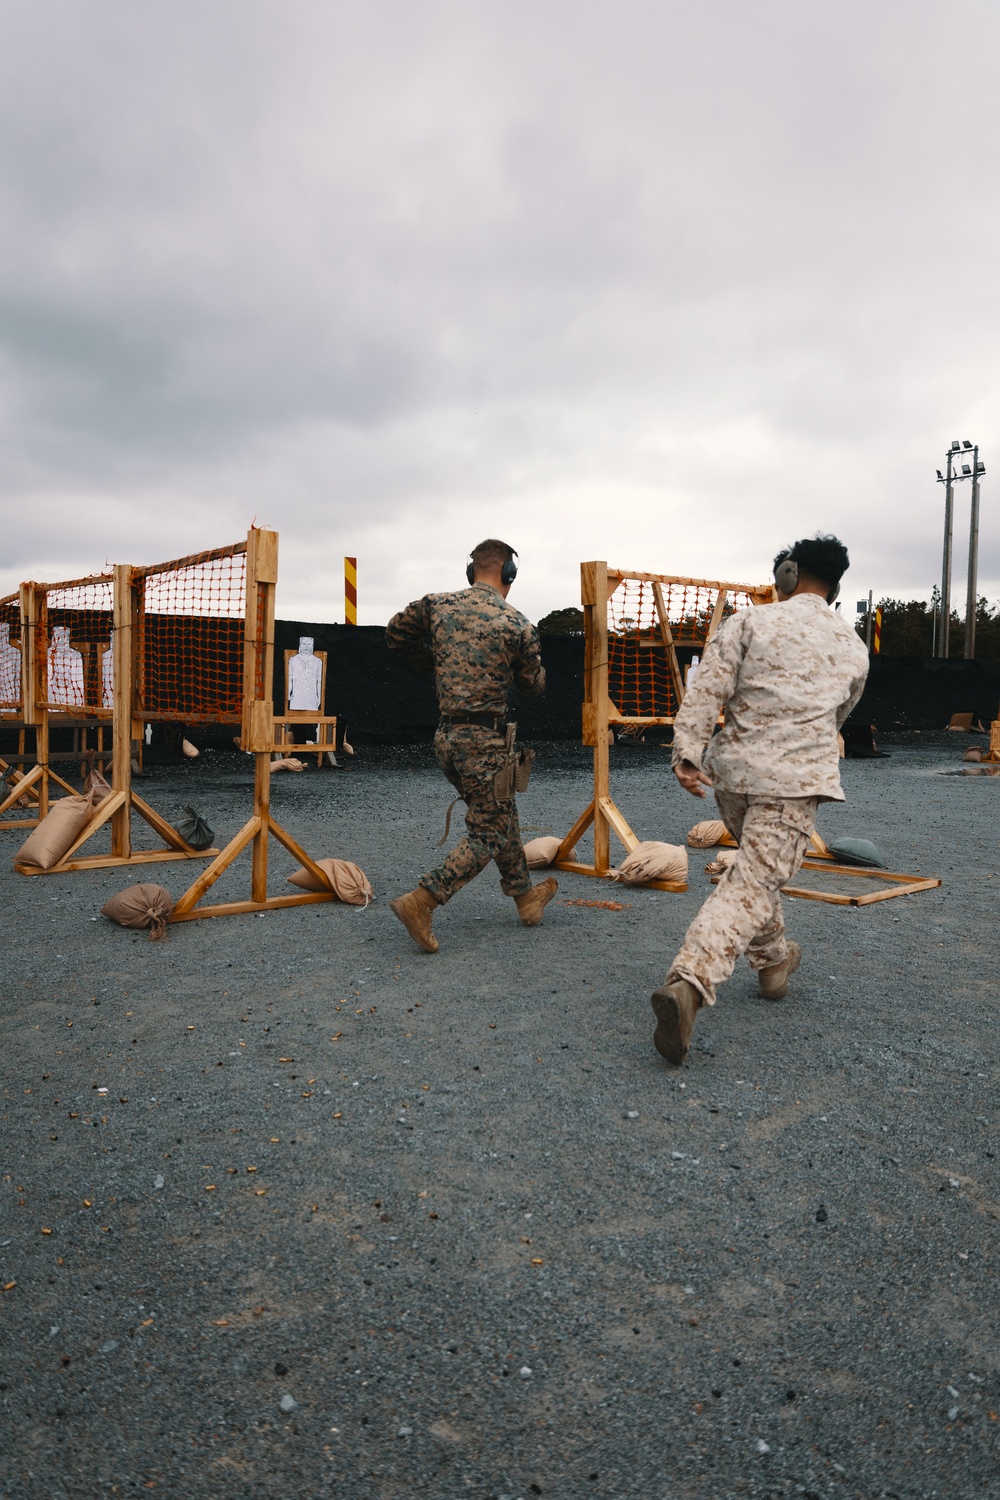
x=258 y=737
x=116 y=809
x=597 y=584
x=820 y=858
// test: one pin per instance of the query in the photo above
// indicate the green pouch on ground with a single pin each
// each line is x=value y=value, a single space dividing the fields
x=194 y=830
x=856 y=852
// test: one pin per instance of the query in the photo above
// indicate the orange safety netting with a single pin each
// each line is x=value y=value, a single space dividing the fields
x=10 y=654
x=190 y=632
x=641 y=680
x=73 y=647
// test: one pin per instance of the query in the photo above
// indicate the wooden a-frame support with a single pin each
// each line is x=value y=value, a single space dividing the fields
x=33 y=783
x=117 y=808
x=601 y=812
x=258 y=737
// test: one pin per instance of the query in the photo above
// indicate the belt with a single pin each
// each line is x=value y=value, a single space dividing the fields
x=488 y=721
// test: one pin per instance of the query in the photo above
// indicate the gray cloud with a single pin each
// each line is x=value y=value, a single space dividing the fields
x=663 y=284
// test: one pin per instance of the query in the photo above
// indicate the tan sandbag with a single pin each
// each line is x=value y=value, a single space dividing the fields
x=95 y=786
x=191 y=752
x=346 y=881
x=57 y=832
x=542 y=851
x=706 y=835
x=288 y=763
x=141 y=906
x=841 y=747
x=973 y=754
x=721 y=863
x=652 y=860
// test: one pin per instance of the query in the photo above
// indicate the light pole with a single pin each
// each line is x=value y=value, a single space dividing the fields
x=947 y=479
x=970 y=597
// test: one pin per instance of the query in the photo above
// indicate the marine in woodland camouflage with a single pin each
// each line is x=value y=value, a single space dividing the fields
x=785 y=676
x=743 y=913
x=479 y=646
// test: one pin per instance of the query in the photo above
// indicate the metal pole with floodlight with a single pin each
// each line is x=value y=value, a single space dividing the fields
x=947 y=479
x=970 y=597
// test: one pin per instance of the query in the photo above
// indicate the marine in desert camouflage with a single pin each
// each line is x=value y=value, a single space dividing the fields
x=785 y=676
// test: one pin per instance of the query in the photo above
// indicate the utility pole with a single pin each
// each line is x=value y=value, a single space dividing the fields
x=970 y=597
x=948 y=481
x=868 y=623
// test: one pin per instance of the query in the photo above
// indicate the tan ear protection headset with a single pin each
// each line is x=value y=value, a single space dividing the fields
x=786 y=577
x=508 y=572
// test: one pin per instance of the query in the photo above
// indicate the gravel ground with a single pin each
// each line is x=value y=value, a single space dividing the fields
x=350 y=1220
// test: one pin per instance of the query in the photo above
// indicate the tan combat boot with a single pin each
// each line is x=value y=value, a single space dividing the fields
x=531 y=905
x=415 y=911
x=773 y=982
x=675 y=1006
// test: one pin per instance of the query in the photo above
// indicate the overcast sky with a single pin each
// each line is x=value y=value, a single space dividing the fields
x=661 y=283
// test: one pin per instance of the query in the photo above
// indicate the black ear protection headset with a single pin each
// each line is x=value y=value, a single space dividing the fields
x=786 y=577
x=508 y=571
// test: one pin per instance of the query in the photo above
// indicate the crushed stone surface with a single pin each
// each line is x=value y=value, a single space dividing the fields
x=290 y=1208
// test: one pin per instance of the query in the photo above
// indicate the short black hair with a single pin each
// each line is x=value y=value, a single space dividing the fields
x=492 y=553
x=822 y=557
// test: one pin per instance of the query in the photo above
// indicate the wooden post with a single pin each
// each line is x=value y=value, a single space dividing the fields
x=36 y=689
x=713 y=623
x=668 y=642
x=258 y=680
x=123 y=664
x=594 y=595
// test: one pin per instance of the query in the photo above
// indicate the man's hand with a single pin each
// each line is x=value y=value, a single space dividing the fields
x=691 y=778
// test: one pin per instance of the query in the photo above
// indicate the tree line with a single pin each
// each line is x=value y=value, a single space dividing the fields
x=908 y=628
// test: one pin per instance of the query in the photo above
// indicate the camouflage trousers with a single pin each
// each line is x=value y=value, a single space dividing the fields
x=469 y=755
x=743 y=914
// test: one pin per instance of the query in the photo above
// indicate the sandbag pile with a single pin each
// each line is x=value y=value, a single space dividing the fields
x=542 y=851
x=705 y=835
x=346 y=880
x=60 y=828
x=141 y=906
x=653 y=860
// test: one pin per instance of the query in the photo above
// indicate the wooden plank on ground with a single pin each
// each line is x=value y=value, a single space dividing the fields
x=233 y=908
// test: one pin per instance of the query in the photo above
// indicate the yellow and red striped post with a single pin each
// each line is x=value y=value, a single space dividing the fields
x=877 y=642
x=350 y=591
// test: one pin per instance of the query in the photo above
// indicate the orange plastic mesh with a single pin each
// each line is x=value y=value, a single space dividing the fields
x=10 y=654
x=640 y=679
x=73 y=646
x=190 y=631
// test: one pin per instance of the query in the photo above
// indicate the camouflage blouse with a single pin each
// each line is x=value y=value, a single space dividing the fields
x=785 y=676
x=477 y=644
